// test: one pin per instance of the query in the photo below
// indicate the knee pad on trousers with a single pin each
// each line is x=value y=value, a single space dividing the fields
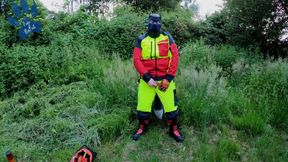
x=176 y=100
x=172 y=115
x=143 y=115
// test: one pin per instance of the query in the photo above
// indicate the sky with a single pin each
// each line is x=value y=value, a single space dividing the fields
x=206 y=7
x=53 y=5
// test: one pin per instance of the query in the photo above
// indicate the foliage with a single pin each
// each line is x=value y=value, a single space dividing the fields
x=97 y=7
x=80 y=97
x=154 y=5
x=22 y=67
x=127 y=26
x=42 y=63
x=249 y=23
x=59 y=116
x=72 y=87
x=179 y=25
x=230 y=58
x=246 y=89
x=268 y=87
x=202 y=99
x=120 y=33
x=190 y=5
x=214 y=29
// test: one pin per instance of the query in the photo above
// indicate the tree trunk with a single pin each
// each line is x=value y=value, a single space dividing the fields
x=72 y=6
x=68 y=8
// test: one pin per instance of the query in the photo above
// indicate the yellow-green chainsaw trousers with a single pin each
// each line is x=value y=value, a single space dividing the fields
x=146 y=95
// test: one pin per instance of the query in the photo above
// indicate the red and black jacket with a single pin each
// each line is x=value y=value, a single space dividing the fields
x=156 y=68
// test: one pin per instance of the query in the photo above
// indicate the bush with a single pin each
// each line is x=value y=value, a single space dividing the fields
x=202 y=95
x=117 y=35
x=226 y=56
x=22 y=67
x=180 y=25
x=120 y=34
x=267 y=88
x=4 y=26
x=19 y=68
x=235 y=61
x=197 y=54
x=119 y=88
x=251 y=122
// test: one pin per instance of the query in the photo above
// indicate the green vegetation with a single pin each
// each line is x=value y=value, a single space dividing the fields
x=75 y=84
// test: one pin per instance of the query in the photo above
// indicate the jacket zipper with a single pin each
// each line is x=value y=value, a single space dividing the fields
x=151 y=51
x=156 y=68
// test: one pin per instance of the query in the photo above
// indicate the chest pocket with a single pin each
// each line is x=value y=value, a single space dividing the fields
x=163 y=47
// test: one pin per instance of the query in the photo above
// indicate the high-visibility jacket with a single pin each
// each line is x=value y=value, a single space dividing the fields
x=157 y=57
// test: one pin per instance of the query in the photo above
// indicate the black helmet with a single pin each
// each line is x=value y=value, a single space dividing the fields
x=154 y=17
x=154 y=24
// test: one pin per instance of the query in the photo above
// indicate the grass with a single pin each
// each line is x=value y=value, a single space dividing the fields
x=228 y=113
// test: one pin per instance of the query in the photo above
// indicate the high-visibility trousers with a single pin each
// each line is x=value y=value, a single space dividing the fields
x=146 y=96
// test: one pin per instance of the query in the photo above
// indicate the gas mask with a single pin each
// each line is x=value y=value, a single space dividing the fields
x=154 y=24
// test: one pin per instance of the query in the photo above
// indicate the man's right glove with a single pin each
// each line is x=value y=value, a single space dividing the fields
x=164 y=85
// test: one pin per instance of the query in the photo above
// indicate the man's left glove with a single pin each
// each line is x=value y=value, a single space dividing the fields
x=164 y=85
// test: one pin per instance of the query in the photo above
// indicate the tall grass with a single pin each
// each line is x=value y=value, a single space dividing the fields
x=63 y=97
x=202 y=95
x=80 y=97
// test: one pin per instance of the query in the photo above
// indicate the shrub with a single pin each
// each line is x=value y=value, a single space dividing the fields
x=202 y=96
x=120 y=34
x=227 y=57
x=197 y=54
x=251 y=122
x=118 y=87
x=180 y=25
x=22 y=66
x=267 y=88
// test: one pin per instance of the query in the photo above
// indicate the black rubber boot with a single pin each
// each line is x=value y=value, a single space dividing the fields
x=143 y=125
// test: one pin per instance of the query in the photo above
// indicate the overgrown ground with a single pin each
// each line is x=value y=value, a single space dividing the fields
x=234 y=106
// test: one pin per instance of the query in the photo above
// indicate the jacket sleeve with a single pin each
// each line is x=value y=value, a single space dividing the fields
x=172 y=69
x=137 y=59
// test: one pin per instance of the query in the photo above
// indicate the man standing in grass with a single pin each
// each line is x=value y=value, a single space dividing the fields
x=156 y=60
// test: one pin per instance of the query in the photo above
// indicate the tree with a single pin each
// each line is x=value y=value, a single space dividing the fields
x=99 y=7
x=154 y=5
x=258 y=22
x=214 y=29
x=191 y=5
